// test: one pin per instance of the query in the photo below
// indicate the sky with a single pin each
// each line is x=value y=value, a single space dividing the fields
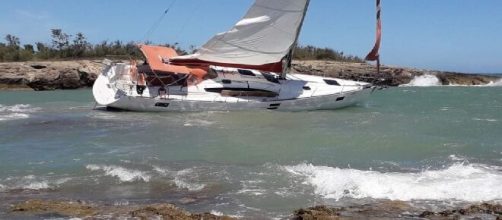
x=451 y=35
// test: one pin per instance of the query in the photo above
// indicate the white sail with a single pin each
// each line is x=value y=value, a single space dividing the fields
x=265 y=35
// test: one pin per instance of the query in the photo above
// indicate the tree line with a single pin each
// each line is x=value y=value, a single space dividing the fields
x=315 y=53
x=66 y=46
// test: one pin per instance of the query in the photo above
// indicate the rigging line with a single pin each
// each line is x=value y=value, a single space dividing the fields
x=157 y=23
x=187 y=21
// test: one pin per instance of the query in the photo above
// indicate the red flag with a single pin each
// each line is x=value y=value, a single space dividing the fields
x=374 y=53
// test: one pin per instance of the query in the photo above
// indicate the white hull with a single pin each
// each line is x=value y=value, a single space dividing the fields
x=297 y=93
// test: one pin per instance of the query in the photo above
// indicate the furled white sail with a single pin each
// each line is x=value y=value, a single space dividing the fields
x=265 y=35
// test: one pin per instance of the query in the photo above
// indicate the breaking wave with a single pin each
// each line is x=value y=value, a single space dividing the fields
x=424 y=81
x=183 y=179
x=465 y=182
x=496 y=83
x=428 y=80
x=123 y=174
x=14 y=112
x=31 y=182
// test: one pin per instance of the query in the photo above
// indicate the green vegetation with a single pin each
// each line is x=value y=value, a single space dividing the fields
x=64 y=46
x=316 y=53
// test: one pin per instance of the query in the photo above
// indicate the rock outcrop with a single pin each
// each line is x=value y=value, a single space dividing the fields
x=81 y=209
x=398 y=210
x=389 y=76
x=50 y=75
x=385 y=209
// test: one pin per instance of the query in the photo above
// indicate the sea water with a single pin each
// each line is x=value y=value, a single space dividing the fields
x=431 y=145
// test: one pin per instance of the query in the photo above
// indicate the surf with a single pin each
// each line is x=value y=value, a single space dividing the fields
x=463 y=182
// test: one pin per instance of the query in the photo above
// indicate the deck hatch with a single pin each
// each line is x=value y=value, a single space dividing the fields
x=331 y=82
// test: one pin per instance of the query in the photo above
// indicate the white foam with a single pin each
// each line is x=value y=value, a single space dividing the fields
x=36 y=185
x=496 y=83
x=13 y=116
x=31 y=182
x=14 y=112
x=254 y=192
x=197 y=123
x=485 y=119
x=454 y=157
x=472 y=182
x=124 y=175
x=217 y=213
x=18 y=108
x=181 y=179
x=162 y=171
x=425 y=80
x=251 y=187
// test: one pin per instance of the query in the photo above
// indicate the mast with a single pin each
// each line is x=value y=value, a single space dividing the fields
x=287 y=60
x=374 y=54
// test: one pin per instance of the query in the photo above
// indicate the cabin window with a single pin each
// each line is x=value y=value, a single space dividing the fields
x=226 y=81
x=219 y=89
x=274 y=106
x=306 y=88
x=340 y=98
x=246 y=72
x=211 y=74
x=269 y=77
x=235 y=92
x=162 y=104
x=331 y=82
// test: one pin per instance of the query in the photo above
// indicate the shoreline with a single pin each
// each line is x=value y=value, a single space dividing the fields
x=75 y=74
x=36 y=208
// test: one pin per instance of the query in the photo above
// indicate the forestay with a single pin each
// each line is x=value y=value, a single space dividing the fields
x=265 y=35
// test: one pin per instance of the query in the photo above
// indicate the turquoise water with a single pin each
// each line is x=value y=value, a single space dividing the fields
x=411 y=144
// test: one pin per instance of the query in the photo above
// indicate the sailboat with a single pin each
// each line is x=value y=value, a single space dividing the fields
x=245 y=68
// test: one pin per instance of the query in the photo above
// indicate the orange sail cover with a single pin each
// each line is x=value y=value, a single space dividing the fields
x=375 y=54
x=157 y=56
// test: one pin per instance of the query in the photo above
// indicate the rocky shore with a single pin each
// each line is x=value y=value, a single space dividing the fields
x=380 y=210
x=389 y=76
x=51 y=75
x=83 y=210
x=399 y=210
